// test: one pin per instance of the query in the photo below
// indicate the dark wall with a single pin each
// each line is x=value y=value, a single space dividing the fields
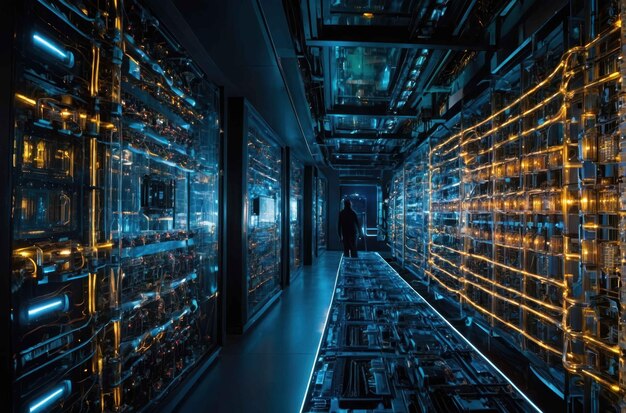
x=370 y=193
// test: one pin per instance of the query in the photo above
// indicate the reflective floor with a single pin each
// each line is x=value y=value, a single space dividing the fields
x=267 y=369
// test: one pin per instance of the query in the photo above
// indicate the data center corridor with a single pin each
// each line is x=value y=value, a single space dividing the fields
x=267 y=369
x=178 y=179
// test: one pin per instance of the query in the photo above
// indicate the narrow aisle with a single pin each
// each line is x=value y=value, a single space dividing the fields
x=267 y=369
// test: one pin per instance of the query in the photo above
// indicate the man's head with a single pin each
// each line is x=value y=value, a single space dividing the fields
x=347 y=204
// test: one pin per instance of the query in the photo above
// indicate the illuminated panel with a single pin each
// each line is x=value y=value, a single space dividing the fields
x=524 y=224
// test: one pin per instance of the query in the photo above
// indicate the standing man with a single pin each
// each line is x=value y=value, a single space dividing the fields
x=349 y=229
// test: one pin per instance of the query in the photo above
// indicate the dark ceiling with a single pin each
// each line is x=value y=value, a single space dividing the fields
x=379 y=72
x=350 y=84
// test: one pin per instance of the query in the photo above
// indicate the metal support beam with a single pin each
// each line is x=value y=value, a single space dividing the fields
x=364 y=111
x=342 y=155
x=362 y=163
x=385 y=36
x=367 y=135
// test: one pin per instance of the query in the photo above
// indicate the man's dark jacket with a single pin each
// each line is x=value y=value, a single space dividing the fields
x=348 y=224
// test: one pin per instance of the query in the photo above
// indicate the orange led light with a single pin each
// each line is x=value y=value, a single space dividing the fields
x=26 y=99
x=481 y=153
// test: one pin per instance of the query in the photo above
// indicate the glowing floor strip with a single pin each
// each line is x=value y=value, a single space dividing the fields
x=533 y=405
x=319 y=346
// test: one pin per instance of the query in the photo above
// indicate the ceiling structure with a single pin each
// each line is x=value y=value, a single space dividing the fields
x=379 y=73
x=355 y=85
x=246 y=47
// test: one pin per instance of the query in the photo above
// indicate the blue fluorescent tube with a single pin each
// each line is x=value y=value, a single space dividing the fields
x=48 y=46
x=49 y=398
x=48 y=306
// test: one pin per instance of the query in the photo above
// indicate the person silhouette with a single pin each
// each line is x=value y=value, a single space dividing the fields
x=349 y=229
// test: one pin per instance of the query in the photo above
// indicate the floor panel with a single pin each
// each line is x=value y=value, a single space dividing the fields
x=267 y=369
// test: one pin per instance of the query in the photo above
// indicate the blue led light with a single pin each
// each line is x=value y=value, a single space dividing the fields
x=178 y=92
x=176 y=284
x=49 y=269
x=48 y=306
x=157 y=138
x=138 y=126
x=54 y=395
x=46 y=44
x=182 y=95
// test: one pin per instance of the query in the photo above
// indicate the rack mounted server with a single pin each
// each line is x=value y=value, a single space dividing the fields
x=114 y=272
x=524 y=218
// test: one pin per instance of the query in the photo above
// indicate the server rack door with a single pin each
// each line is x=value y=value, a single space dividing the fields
x=321 y=214
x=255 y=180
x=296 y=216
x=114 y=238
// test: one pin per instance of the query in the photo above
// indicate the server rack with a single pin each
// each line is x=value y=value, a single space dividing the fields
x=416 y=178
x=309 y=218
x=255 y=182
x=296 y=211
x=321 y=214
x=524 y=205
x=114 y=275
x=395 y=215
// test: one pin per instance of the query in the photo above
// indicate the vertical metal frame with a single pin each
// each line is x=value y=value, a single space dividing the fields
x=222 y=199
x=238 y=317
x=7 y=30
x=286 y=219
x=235 y=212
x=308 y=228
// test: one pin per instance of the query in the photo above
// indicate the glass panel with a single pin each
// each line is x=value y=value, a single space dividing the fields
x=115 y=166
x=295 y=212
x=53 y=233
x=264 y=217
x=165 y=221
x=321 y=213
x=364 y=75
x=367 y=124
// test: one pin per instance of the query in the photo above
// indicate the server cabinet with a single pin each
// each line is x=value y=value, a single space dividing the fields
x=114 y=189
x=309 y=215
x=321 y=214
x=525 y=215
x=296 y=205
x=255 y=190
x=396 y=216
x=416 y=207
